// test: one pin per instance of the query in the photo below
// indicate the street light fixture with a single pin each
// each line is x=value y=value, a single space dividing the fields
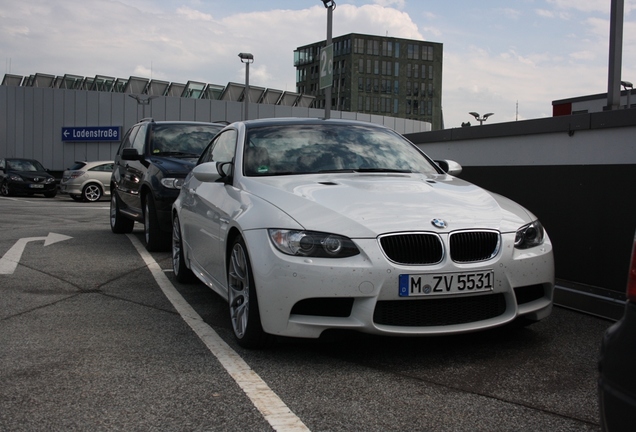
x=142 y=100
x=481 y=120
x=246 y=58
x=628 y=86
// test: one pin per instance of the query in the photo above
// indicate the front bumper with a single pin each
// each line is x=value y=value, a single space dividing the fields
x=32 y=188
x=302 y=297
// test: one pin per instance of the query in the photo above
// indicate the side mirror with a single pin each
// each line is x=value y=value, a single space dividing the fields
x=449 y=167
x=130 y=154
x=211 y=172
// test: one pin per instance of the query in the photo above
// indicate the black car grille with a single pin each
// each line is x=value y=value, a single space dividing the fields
x=439 y=312
x=472 y=246
x=427 y=248
x=413 y=249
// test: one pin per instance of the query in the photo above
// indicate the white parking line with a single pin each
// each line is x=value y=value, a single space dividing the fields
x=277 y=414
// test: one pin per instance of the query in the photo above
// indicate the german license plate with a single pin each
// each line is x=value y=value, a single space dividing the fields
x=422 y=285
x=36 y=186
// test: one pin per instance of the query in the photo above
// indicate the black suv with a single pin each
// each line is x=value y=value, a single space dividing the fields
x=153 y=159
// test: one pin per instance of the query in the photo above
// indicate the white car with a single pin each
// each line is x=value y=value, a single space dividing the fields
x=87 y=181
x=305 y=225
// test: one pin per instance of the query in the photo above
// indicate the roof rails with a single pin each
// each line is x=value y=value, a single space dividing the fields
x=147 y=119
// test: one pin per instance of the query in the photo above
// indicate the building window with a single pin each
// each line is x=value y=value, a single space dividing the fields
x=376 y=69
x=358 y=46
x=387 y=49
x=396 y=69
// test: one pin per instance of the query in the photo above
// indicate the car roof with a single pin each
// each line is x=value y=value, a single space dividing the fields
x=177 y=122
x=307 y=121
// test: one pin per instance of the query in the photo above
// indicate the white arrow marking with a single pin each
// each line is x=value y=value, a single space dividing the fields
x=10 y=260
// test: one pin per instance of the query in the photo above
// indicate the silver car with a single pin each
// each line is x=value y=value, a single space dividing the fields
x=305 y=225
x=87 y=181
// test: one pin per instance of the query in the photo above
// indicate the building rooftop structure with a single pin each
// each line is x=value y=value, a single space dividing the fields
x=150 y=87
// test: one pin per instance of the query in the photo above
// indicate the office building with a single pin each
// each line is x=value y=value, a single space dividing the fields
x=377 y=75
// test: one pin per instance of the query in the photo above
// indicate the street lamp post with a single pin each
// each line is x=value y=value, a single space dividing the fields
x=628 y=86
x=330 y=5
x=246 y=58
x=481 y=120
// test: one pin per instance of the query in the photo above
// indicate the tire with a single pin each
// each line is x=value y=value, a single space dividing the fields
x=156 y=240
x=5 y=190
x=92 y=192
x=181 y=271
x=119 y=224
x=244 y=312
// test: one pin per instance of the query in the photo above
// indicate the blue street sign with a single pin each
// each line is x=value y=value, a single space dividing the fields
x=91 y=133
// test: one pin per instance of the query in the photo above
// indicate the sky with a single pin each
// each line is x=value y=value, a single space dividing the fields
x=511 y=58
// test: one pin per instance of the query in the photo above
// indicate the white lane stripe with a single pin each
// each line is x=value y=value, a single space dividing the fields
x=277 y=414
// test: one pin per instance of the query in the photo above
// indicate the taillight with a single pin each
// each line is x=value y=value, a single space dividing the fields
x=631 y=279
x=76 y=174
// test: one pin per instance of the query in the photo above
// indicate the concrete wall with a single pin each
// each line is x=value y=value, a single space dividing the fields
x=31 y=120
x=578 y=175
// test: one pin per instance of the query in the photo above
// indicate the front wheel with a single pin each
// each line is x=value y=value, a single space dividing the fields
x=119 y=224
x=4 y=189
x=181 y=271
x=244 y=313
x=92 y=192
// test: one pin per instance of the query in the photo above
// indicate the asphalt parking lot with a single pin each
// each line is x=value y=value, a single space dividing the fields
x=97 y=335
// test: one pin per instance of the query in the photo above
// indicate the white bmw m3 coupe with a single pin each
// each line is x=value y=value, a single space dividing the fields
x=305 y=225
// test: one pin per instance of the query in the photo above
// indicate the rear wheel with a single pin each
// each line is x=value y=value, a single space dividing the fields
x=156 y=240
x=92 y=192
x=181 y=271
x=244 y=312
x=119 y=224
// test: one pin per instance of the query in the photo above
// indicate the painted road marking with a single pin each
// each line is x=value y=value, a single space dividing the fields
x=10 y=260
x=275 y=411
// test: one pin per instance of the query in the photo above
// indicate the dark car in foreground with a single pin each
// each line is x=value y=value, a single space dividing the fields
x=25 y=177
x=617 y=365
x=151 y=163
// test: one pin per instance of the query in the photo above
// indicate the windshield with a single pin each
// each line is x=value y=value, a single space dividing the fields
x=182 y=139
x=315 y=148
x=24 y=165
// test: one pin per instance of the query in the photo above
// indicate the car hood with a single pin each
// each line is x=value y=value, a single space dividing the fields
x=30 y=175
x=363 y=205
x=174 y=165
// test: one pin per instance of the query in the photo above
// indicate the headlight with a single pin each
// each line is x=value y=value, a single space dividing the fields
x=172 y=183
x=15 y=177
x=530 y=235
x=49 y=180
x=312 y=244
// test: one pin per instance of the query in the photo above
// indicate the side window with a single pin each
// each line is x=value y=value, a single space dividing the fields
x=140 y=139
x=128 y=139
x=104 y=167
x=1 y=164
x=222 y=149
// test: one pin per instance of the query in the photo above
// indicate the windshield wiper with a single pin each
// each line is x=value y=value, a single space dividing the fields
x=176 y=153
x=382 y=170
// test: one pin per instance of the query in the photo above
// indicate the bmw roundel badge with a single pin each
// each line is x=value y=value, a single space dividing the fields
x=439 y=223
